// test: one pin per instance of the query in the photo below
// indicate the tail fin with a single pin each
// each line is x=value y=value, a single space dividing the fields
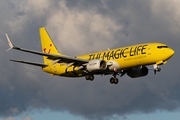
x=47 y=45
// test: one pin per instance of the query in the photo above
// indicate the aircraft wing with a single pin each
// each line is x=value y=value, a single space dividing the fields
x=53 y=57
x=62 y=59
x=31 y=63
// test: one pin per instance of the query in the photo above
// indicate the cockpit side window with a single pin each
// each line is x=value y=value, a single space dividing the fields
x=162 y=47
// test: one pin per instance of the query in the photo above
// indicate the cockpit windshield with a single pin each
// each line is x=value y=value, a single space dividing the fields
x=162 y=47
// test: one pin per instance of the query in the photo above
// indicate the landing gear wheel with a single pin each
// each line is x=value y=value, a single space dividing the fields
x=91 y=77
x=112 y=80
x=158 y=69
x=116 y=81
x=87 y=77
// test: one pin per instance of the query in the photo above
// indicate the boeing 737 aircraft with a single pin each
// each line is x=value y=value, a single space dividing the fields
x=131 y=60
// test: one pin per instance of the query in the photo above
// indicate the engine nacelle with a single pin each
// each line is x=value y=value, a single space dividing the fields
x=96 y=65
x=137 y=72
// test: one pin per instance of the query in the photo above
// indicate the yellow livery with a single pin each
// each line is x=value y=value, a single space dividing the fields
x=131 y=60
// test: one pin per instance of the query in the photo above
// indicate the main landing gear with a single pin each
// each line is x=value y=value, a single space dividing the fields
x=114 y=80
x=90 y=77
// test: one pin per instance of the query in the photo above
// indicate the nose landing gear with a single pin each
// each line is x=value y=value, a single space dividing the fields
x=156 y=68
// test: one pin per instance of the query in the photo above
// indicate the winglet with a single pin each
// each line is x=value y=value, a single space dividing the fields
x=9 y=42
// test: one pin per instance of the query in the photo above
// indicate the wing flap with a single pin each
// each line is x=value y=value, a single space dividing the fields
x=30 y=63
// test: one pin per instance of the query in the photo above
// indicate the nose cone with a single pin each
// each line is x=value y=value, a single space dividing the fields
x=170 y=52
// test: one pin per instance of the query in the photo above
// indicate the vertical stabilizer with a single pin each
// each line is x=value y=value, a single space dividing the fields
x=47 y=44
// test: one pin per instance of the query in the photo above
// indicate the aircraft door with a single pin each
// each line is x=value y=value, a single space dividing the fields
x=149 y=49
x=149 y=52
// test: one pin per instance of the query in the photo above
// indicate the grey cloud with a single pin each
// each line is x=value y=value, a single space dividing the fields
x=98 y=25
x=27 y=118
x=9 y=118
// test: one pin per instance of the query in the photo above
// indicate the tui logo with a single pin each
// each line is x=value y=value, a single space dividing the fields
x=49 y=49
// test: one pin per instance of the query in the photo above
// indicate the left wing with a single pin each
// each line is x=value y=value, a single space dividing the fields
x=55 y=58
x=31 y=63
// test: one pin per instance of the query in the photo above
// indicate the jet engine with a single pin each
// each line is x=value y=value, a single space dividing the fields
x=137 y=72
x=96 y=65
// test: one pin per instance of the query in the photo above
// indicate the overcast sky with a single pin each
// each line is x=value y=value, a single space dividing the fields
x=80 y=27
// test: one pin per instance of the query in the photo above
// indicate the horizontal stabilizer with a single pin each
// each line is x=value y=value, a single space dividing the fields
x=31 y=63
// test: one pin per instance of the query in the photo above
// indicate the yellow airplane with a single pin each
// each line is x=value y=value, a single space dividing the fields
x=131 y=60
